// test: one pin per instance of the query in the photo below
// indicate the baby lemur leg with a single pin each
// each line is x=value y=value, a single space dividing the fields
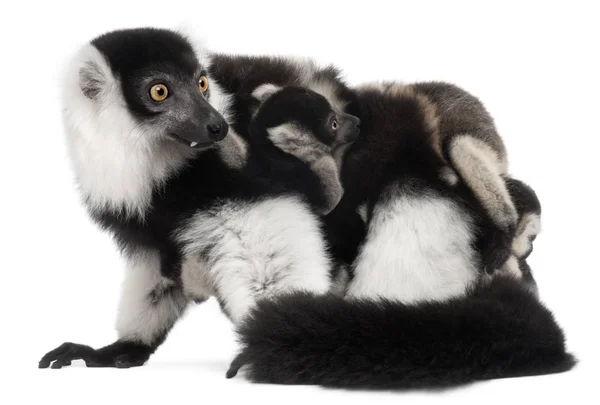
x=482 y=170
x=150 y=305
x=528 y=227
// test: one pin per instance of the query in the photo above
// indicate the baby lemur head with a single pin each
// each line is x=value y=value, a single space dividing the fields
x=148 y=81
x=302 y=122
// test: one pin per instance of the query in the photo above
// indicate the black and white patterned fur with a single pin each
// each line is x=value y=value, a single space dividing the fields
x=419 y=310
x=135 y=179
x=189 y=213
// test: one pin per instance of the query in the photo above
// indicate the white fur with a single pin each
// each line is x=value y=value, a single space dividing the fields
x=302 y=144
x=298 y=142
x=448 y=175
x=529 y=226
x=362 y=211
x=256 y=250
x=327 y=89
x=264 y=91
x=140 y=319
x=482 y=168
x=512 y=268
x=116 y=162
x=417 y=248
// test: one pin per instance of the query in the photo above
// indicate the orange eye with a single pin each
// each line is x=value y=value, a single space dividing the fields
x=203 y=84
x=159 y=92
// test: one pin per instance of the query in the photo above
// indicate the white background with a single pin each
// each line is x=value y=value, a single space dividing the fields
x=534 y=65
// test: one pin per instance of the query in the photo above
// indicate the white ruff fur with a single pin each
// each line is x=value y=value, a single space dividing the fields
x=116 y=162
x=246 y=251
x=140 y=319
x=417 y=248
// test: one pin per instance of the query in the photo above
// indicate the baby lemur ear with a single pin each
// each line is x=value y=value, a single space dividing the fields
x=91 y=79
x=264 y=91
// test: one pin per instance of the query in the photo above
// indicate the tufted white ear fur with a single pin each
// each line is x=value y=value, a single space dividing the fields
x=87 y=74
x=197 y=40
x=115 y=160
x=264 y=91
x=91 y=80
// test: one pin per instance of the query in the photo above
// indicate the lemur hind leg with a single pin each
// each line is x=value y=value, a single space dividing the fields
x=150 y=305
x=251 y=250
x=480 y=167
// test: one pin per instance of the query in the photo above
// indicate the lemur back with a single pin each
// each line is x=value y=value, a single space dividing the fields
x=435 y=233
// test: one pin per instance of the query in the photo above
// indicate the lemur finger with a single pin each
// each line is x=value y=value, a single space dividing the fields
x=53 y=355
x=64 y=360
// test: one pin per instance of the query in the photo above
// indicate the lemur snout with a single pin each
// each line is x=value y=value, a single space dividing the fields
x=349 y=128
x=217 y=131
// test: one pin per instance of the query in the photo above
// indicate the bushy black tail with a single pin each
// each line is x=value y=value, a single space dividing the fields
x=498 y=330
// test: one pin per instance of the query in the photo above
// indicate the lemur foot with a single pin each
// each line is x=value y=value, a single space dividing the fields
x=118 y=354
x=235 y=365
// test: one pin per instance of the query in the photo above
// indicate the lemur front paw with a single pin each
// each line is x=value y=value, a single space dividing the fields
x=119 y=355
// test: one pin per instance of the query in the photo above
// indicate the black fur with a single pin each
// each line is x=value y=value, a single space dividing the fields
x=135 y=56
x=311 y=111
x=143 y=58
x=120 y=354
x=200 y=184
x=240 y=75
x=499 y=330
x=396 y=145
x=524 y=197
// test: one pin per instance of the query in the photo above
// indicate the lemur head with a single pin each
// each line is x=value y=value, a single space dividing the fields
x=137 y=103
x=151 y=79
x=302 y=122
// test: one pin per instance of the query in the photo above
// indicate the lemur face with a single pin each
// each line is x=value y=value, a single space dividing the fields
x=163 y=85
x=302 y=122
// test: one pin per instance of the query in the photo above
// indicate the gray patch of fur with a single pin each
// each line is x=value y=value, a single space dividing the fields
x=460 y=112
x=91 y=80
x=480 y=169
x=301 y=143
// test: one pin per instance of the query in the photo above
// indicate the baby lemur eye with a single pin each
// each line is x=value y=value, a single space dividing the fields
x=334 y=124
x=159 y=92
x=203 y=84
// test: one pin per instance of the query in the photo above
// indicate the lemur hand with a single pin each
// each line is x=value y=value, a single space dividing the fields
x=119 y=354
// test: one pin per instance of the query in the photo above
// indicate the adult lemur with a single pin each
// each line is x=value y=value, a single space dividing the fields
x=137 y=102
x=159 y=167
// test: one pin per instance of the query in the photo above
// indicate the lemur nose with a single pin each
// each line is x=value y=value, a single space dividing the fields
x=217 y=131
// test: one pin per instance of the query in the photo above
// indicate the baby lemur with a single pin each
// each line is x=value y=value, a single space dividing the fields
x=297 y=122
x=419 y=309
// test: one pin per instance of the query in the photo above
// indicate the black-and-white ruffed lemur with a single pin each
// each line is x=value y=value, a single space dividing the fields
x=152 y=139
x=247 y=232
x=419 y=308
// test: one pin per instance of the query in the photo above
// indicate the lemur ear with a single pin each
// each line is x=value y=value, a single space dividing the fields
x=91 y=79
x=264 y=91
